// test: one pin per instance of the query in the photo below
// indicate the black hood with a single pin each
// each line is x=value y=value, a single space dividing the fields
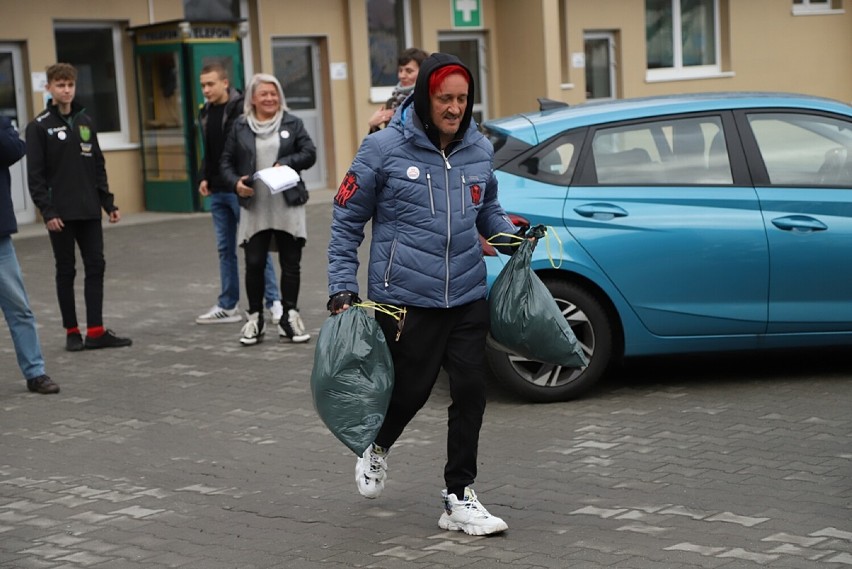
x=421 y=94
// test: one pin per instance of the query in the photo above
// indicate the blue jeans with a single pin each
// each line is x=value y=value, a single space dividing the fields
x=225 y=209
x=16 y=309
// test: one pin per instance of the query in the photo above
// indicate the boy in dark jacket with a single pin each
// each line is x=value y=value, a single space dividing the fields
x=223 y=106
x=68 y=183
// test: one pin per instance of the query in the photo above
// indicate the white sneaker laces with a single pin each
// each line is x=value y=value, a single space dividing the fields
x=250 y=329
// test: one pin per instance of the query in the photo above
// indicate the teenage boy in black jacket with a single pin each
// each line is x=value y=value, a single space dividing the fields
x=223 y=106
x=68 y=183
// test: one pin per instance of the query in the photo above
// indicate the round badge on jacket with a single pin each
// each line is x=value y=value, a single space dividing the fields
x=413 y=172
x=285 y=134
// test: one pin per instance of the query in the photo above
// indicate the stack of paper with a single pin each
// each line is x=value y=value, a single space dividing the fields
x=278 y=178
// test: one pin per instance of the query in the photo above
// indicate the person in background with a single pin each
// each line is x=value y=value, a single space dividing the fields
x=68 y=183
x=13 y=296
x=408 y=65
x=427 y=184
x=268 y=135
x=223 y=106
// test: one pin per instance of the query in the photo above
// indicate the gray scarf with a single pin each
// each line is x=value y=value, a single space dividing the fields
x=266 y=127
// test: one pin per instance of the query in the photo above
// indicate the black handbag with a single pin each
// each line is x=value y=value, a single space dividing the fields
x=297 y=195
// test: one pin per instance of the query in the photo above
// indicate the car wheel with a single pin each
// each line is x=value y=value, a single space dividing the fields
x=544 y=383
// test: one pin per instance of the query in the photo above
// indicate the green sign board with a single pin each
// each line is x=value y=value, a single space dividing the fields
x=467 y=13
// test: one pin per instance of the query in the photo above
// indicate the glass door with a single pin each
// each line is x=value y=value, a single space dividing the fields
x=296 y=64
x=228 y=55
x=600 y=65
x=12 y=98
x=470 y=48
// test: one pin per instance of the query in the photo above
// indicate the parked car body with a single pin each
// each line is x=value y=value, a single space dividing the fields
x=681 y=224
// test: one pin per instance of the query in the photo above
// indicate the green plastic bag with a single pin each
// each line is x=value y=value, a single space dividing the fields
x=352 y=378
x=524 y=317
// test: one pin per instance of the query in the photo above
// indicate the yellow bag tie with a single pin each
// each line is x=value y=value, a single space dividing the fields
x=519 y=239
x=395 y=312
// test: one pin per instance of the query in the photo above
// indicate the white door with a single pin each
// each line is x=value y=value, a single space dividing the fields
x=12 y=99
x=470 y=48
x=297 y=66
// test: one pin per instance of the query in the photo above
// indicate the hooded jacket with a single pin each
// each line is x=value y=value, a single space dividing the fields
x=66 y=171
x=428 y=208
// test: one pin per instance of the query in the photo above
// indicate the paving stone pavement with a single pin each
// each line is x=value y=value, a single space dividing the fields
x=188 y=450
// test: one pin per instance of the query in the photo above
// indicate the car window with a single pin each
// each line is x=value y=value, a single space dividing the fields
x=800 y=149
x=552 y=162
x=679 y=151
x=506 y=147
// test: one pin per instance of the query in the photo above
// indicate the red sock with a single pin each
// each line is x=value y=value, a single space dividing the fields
x=74 y=330
x=95 y=331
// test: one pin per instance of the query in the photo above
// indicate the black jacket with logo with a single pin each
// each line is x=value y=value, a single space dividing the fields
x=65 y=166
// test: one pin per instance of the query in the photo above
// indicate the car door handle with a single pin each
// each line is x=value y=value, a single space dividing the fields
x=600 y=211
x=800 y=223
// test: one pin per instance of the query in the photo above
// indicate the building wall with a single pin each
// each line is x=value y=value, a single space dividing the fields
x=529 y=47
x=33 y=31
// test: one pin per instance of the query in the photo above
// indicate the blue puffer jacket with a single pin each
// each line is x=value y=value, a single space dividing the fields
x=427 y=212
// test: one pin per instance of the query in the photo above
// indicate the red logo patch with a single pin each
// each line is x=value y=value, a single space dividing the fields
x=475 y=194
x=347 y=189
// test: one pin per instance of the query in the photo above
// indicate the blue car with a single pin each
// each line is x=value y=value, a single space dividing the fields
x=679 y=224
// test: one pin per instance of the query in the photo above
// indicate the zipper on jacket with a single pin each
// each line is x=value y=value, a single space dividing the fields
x=431 y=196
x=449 y=233
x=463 y=201
x=390 y=263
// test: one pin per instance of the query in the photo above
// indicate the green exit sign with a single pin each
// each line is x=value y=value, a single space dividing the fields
x=467 y=13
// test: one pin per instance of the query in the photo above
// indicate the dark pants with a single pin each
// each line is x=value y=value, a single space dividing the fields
x=431 y=338
x=290 y=258
x=88 y=235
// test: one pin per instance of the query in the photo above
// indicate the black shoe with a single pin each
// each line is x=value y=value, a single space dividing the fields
x=42 y=384
x=74 y=342
x=107 y=340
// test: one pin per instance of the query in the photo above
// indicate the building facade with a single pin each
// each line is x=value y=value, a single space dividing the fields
x=336 y=59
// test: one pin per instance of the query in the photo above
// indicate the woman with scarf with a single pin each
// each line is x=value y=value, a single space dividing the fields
x=408 y=66
x=268 y=135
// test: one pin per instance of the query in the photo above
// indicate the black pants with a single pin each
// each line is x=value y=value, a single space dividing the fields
x=290 y=258
x=89 y=236
x=431 y=338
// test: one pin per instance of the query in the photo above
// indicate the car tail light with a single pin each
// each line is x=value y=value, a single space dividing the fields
x=487 y=249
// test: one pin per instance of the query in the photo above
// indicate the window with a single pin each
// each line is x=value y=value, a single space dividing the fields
x=689 y=151
x=804 y=150
x=552 y=162
x=95 y=50
x=682 y=38
x=804 y=7
x=388 y=26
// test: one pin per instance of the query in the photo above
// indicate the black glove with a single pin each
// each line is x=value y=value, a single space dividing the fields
x=537 y=232
x=337 y=301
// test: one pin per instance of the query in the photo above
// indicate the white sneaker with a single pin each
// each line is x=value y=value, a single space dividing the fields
x=370 y=471
x=277 y=311
x=252 y=332
x=292 y=327
x=468 y=515
x=219 y=315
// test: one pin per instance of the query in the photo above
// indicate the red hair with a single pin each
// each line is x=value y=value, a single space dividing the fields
x=442 y=73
